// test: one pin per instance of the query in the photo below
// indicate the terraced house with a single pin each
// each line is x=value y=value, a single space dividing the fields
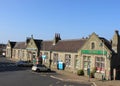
x=93 y=52
x=63 y=50
x=9 y=48
x=96 y=53
x=23 y=50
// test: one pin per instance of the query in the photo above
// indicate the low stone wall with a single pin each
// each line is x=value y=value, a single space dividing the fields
x=99 y=76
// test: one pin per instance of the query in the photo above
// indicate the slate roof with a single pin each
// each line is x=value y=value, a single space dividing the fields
x=20 y=45
x=46 y=45
x=106 y=42
x=69 y=45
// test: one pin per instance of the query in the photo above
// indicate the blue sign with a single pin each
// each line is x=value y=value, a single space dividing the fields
x=44 y=56
x=60 y=65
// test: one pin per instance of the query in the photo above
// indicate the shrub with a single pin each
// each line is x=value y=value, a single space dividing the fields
x=80 y=72
x=92 y=74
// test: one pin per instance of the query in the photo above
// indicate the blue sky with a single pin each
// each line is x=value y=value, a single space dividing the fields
x=73 y=19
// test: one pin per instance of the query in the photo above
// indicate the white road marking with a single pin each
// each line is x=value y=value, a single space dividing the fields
x=56 y=78
x=93 y=84
x=50 y=85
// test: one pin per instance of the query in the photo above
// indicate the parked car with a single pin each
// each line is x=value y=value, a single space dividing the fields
x=40 y=68
x=24 y=64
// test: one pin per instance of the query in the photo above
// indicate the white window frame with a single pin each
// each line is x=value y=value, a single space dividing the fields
x=68 y=60
x=77 y=62
x=87 y=61
x=55 y=58
x=101 y=63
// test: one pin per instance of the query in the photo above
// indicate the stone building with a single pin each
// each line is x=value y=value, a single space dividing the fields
x=97 y=53
x=33 y=48
x=93 y=52
x=115 y=60
x=102 y=54
x=2 y=49
x=23 y=50
x=47 y=49
x=9 y=47
x=19 y=51
x=65 y=51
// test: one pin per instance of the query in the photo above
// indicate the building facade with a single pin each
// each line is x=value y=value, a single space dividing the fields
x=23 y=50
x=19 y=51
x=33 y=48
x=96 y=53
x=9 y=47
x=93 y=52
x=2 y=49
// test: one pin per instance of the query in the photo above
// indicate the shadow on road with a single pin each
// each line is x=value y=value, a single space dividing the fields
x=8 y=66
x=51 y=72
x=7 y=69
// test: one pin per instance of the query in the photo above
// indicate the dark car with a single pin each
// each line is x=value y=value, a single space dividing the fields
x=24 y=64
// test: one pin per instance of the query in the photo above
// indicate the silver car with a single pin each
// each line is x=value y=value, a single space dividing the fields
x=40 y=68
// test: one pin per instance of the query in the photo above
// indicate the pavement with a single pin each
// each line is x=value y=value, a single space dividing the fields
x=68 y=76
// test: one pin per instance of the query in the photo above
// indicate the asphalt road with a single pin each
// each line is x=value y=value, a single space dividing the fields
x=11 y=75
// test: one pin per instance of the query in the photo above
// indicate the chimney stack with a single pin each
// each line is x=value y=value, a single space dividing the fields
x=56 y=39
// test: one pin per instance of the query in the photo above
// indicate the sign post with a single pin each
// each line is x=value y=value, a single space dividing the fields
x=88 y=72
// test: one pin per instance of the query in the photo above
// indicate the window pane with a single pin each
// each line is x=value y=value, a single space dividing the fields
x=98 y=59
x=55 y=58
x=77 y=63
x=92 y=45
x=85 y=64
x=87 y=61
x=102 y=59
x=85 y=58
x=100 y=63
x=67 y=60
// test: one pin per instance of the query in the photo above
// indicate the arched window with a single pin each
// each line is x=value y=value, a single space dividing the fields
x=92 y=45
